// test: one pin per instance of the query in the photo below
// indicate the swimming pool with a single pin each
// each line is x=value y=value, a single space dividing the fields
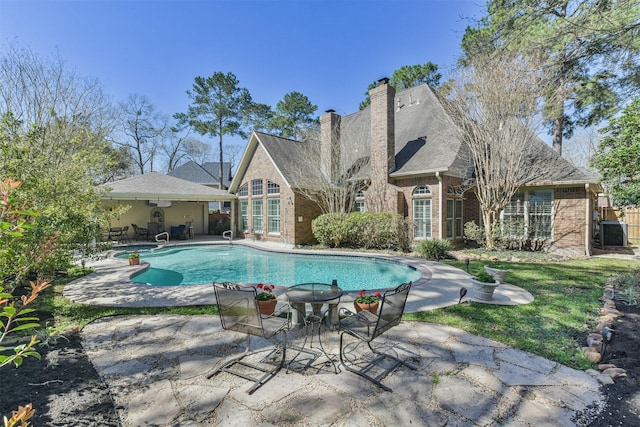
x=205 y=264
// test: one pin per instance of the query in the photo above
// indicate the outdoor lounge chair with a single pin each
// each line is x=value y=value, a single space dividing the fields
x=181 y=232
x=366 y=327
x=239 y=312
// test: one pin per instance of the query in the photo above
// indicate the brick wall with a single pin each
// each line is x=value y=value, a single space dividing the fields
x=569 y=223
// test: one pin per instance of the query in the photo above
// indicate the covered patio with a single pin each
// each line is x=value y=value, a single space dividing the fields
x=158 y=202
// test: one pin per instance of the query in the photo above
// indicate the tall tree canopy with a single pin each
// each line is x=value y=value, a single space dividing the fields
x=409 y=76
x=618 y=157
x=590 y=48
x=54 y=137
x=293 y=116
x=219 y=107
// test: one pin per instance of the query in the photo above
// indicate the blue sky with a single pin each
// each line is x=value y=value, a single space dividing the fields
x=328 y=50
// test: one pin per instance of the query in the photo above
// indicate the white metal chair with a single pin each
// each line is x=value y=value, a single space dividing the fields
x=366 y=327
x=239 y=312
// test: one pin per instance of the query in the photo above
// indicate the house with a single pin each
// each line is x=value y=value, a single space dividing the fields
x=164 y=200
x=405 y=148
x=206 y=174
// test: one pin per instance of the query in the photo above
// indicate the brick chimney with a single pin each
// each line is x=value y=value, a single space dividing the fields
x=330 y=144
x=382 y=131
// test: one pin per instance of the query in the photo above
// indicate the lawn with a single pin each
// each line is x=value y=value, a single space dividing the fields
x=567 y=299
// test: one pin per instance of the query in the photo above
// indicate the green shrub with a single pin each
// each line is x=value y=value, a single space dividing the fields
x=473 y=231
x=484 y=277
x=434 y=248
x=627 y=286
x=371 y=230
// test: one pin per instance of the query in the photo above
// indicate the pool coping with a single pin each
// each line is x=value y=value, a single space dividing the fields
x=110 y=284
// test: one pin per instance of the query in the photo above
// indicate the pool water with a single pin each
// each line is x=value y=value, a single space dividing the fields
x=203 y=265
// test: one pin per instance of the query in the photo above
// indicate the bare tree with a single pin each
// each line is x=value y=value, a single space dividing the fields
x=334 y=185
x=143 y=129
x=495 y=104
x=43 y=95
x=582 y=146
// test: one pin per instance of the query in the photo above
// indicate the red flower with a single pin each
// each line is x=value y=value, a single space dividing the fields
x=368 y=299
x=266 y=292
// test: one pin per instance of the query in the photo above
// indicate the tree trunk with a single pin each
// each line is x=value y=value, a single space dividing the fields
x=220 y=186
x=558 y=125
x=488 y=218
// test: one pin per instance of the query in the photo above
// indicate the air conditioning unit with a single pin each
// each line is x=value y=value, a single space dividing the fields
x=160 y=203
x=613 y=233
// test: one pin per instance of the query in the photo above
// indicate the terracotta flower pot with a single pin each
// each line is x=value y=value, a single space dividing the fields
x=267 y=307
x=134 y=261
x=372 y=308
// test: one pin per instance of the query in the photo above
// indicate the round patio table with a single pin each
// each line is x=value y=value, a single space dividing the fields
x=315 y=294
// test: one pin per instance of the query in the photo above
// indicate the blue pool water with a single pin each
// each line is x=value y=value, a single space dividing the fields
x=200 y=265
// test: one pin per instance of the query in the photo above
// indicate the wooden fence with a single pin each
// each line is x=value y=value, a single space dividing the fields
x=631 y=216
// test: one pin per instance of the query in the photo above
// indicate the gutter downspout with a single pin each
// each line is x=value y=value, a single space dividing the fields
x=440 y=204
x=234 y=204
x=589 y=219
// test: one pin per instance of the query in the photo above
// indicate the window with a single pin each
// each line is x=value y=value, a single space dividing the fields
x=244 y=190
x=256 y=216
x=422 y=191
x=513 y=224
x=540 y=214
x=243 y=207
x=273 y=188
x=422 y=218
x=273 y=215
x=360 y=205
x=422 y=212
x=256 y=187
x=454 y=218
x=529 y=215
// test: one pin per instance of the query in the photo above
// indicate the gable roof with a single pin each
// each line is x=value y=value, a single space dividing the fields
x=206 y=174
x=425 y=137
x=156 y=186
x=284 y=153
x=426 y=142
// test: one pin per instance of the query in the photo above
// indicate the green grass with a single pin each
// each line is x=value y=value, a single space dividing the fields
x=68 y=315
x=567 y=299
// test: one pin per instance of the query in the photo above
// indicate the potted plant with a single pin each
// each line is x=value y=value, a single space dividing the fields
x=496 y=271
x=266 y=299
x=134 y=258
x=483 y=286
x=367 y=302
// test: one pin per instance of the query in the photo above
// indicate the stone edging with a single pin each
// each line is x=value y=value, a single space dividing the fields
x=601 y=336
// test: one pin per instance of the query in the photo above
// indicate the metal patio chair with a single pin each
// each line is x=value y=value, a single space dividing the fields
x=139 y=232
x=239 y=312
x=366 y=327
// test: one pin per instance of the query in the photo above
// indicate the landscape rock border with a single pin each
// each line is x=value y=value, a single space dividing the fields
x=601 y=336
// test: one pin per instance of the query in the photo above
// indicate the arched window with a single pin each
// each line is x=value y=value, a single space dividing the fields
x=423 y=190
x=256 y=187
x=273 y=188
